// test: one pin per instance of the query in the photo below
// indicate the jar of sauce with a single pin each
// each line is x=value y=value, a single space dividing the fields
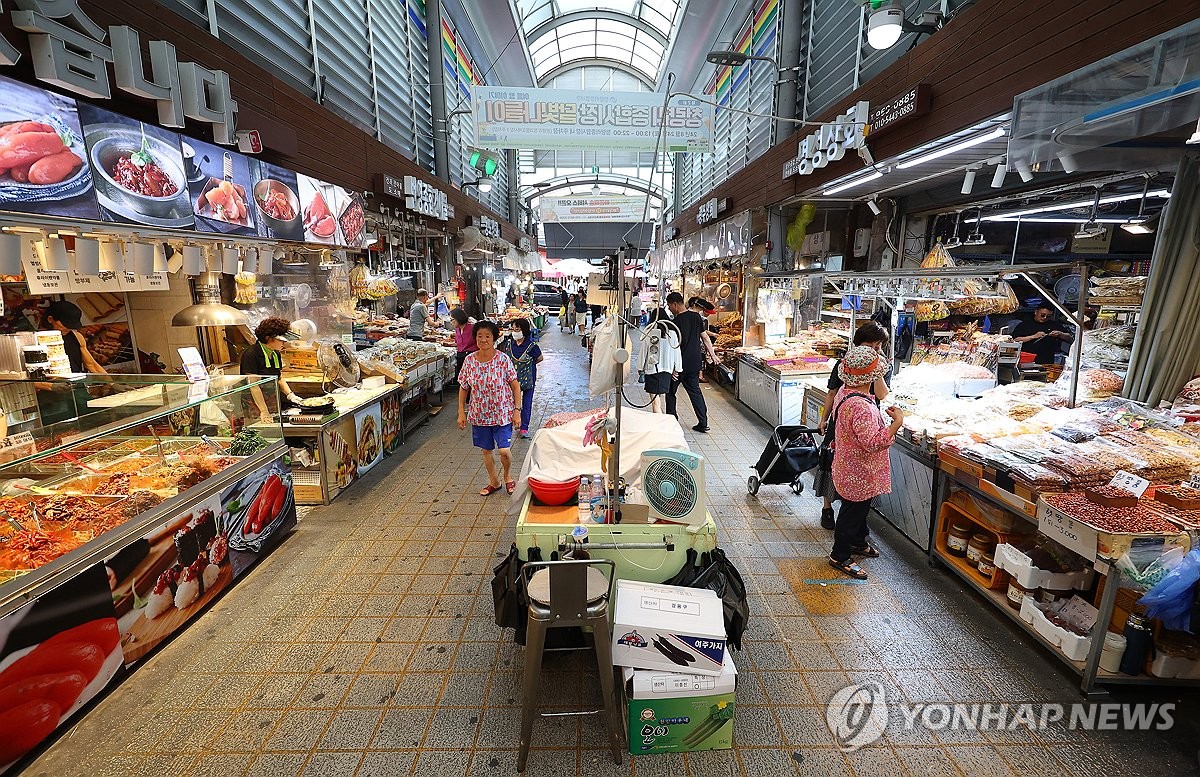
x=1017 y=593
x=987 y=565
x=979 y=545
x=958 y=538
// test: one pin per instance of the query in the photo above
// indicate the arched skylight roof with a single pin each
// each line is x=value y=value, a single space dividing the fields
x=631 y=34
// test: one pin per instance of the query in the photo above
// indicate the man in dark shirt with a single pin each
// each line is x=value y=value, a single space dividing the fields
x=690 y=325
x=1041 y=335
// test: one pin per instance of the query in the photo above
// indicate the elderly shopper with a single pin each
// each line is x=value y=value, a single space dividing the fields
x=489 y=381
x=861 y=470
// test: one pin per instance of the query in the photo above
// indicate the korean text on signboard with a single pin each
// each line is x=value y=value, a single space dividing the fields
x=70 y=51
x=426 y=199
x=592 y=209
x=900 y=109
x=488 y=227
x=831 y=142
x=567 y=119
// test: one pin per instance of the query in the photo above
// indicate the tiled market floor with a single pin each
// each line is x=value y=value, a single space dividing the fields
x=365 y=645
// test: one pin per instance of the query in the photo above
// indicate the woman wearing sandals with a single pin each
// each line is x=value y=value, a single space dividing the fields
x=489 y=380
x=861 y=470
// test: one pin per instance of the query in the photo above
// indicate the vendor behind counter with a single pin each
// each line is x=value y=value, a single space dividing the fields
x=265 y=357
x=1042 y=335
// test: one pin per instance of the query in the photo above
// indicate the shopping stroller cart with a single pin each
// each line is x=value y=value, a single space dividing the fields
x=791 y=451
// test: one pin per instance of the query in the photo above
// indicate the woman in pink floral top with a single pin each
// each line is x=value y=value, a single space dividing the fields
x=489 y=380
x=861 y=470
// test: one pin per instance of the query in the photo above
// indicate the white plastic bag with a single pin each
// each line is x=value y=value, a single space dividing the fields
x=604 y=376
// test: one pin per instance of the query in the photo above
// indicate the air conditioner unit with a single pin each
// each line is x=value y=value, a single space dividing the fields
x=673 y=484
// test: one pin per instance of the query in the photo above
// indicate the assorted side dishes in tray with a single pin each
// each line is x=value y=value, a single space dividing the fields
x=104 y=486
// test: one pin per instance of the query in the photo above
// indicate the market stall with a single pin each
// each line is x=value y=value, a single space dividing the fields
x=125 y=523
x=356 y=423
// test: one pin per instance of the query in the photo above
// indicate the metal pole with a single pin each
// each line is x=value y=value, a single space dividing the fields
x=1077 y=346
x=1016 y=239
x=437 y=91
x=789 y=62
x=514 y=194
x=616 y=454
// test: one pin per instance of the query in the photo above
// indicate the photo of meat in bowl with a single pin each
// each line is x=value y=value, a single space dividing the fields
x=278 y=204
x=138 y=170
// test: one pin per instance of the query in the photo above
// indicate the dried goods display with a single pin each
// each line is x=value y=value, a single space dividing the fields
x=1120 y=520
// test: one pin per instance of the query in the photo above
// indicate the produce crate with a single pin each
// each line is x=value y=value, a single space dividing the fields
x=1068 y=643
x=1125 y=605
x=1019 y=566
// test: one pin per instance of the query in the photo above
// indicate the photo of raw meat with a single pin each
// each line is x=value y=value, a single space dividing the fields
x=56 y=654
x=219 y=183
x=320 y=202
x=42 y=154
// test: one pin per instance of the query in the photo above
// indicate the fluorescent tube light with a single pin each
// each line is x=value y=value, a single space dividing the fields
x=952 y=149
x=841 y=187
x=1162 y=193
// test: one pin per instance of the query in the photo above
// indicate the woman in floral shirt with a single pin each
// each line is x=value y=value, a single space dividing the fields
x=489 y=380
x=861 y=470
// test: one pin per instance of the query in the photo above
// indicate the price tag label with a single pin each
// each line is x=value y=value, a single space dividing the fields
x=1068 y=532
x=14 y=440
x=1130 y=482
x=1079 y=612
x=193 y=366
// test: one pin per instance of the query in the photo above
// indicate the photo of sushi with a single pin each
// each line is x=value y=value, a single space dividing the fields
x=165 y=578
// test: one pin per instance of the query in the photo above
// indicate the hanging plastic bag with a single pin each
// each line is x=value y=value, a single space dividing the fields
x=1171 y=601
x=937 y=257
x=606 y=374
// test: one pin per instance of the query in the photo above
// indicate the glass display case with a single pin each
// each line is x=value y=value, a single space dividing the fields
x=171 y=489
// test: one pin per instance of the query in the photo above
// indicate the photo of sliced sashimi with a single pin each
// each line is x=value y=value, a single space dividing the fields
x=318 y=219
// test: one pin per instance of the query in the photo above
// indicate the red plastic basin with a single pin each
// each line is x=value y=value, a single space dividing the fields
x=554 y=492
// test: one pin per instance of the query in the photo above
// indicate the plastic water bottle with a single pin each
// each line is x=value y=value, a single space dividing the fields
x=598 y=484
x=585 y=500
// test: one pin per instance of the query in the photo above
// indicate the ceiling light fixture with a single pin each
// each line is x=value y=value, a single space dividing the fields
x=873 y=204
x=1023 y=171
x=595 y=189
x=841 y=187
x=999 y=175
x=484 y=183
x=886 y=23
x=969 y=179
x=1068 y=161
x=952 y=148
x=726 y=55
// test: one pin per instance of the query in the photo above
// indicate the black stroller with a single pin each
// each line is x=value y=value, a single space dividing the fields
x=791 y=451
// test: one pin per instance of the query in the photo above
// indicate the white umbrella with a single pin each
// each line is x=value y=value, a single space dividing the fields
x=576 y=268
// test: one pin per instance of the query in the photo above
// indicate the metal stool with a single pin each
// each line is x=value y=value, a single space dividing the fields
x=580 y=598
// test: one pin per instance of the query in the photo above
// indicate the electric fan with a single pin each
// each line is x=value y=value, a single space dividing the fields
x=673 y=483
x=337 y=364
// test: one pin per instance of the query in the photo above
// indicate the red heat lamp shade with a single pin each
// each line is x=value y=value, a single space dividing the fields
x=554 y=492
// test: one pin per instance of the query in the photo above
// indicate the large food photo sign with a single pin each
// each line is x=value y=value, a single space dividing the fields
x=56 y=653
x=170 y=574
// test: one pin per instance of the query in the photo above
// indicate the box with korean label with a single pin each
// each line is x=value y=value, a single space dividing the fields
x=669 y=712
x=668 y=627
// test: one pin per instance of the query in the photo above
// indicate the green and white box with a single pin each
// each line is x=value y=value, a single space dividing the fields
x=671 y=712
x=669 y=628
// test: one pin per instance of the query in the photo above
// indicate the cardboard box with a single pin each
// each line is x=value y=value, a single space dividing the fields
x=669 y=712
x=668 y=627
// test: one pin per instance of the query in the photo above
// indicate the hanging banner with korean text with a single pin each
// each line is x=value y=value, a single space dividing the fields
x=588 y=208
x=507 y=117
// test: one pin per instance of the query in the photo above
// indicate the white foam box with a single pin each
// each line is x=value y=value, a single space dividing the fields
x=672 y=712
x=668 y=627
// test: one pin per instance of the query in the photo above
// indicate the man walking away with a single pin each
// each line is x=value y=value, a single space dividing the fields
x=690 y=325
